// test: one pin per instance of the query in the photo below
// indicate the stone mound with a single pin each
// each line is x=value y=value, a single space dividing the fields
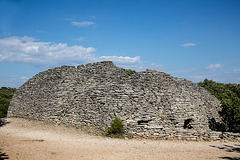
x=151 y=103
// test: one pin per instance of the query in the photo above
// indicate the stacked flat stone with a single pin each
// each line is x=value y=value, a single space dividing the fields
x=152 y=104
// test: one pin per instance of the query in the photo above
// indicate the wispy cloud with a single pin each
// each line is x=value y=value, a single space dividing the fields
x=187 y=70
x=13 y=81
x=120 y=59
x=214 y=66
x=236 y=70
x=6 y=34
x=94 y=17
x=23 y=78
x=49 y=54
x=197 y=77
x=82 y=24
x=40 y=31
x=80 y=38
x=185 y=45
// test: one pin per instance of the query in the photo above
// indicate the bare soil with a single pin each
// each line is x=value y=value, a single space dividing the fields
x=24 y=140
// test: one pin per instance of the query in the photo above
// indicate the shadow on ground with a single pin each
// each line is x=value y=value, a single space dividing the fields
x=230 y=158
x=229 y=148
x=3 y=122
x=3 y=155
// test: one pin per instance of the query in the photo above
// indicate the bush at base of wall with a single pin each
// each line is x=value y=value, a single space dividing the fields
x=117 y=128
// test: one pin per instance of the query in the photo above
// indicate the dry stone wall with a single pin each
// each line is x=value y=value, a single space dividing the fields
x=152 y=104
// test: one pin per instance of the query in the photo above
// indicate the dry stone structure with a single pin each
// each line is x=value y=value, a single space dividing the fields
x=152 y=104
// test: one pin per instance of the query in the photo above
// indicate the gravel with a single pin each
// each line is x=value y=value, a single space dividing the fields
x=27 y=139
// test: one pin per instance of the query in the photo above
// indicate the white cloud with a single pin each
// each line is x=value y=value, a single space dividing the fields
x=187 y=70
x=236 y=70
x=48 y=54
x=80 y=39
x=82 y=24
x=6 y=34
x=40 y=31
x=156 y=66
x=23 y=78
x=188 y=45
x=94 y=17
x=120 y=59
x=13 y=81
x=26 y=50
x=197 y=77
x=214 y=66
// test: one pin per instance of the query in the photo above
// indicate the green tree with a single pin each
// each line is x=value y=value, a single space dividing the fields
x=229 y=96
x=5 y=98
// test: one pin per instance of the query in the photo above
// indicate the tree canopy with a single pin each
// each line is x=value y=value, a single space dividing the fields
x=229 y=96
x=5 y=98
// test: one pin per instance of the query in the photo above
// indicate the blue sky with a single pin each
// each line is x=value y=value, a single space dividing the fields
x=192 y=39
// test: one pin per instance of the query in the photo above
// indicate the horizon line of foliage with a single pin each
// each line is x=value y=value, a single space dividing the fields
x=6 y=95
x=229 y=96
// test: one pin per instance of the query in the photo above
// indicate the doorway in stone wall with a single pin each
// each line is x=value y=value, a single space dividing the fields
x=143 y=122
x=188 y=123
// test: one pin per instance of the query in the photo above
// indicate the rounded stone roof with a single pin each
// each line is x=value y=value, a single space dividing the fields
x=92 y=95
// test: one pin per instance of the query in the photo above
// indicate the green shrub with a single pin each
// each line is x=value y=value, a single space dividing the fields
x=129 y=71
x=117 y=128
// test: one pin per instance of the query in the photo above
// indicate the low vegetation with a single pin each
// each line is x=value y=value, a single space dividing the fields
x=129 y=71
x=116 y=129
x=229 y=96
x=5 y=98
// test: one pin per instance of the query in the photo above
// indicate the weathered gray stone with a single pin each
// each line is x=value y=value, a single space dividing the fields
x=150 y=103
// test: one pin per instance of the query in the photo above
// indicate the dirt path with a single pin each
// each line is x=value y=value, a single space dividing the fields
x=24 y=140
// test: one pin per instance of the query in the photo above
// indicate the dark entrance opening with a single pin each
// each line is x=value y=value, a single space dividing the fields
x=143 y=122
x=188 y=123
